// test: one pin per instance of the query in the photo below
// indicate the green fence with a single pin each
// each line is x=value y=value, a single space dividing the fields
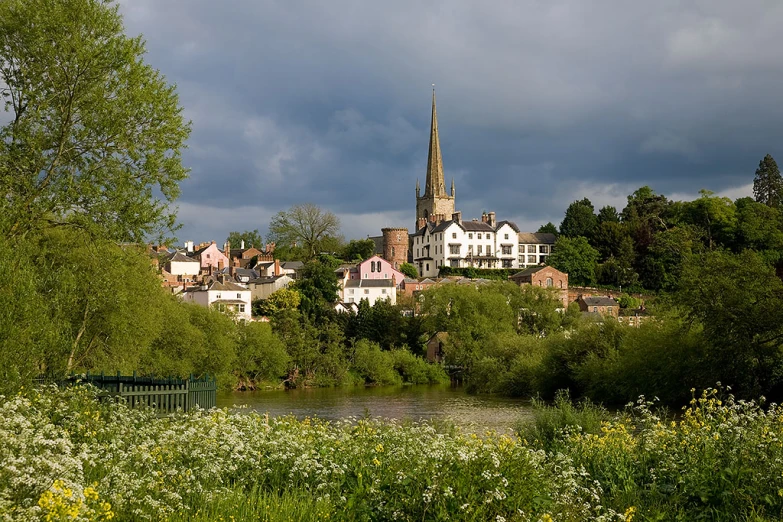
x=163 y=395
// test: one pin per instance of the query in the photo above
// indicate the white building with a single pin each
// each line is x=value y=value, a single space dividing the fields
x=462 y=244
x=354 y=290
x=535 y=248
x=182 y=266
x=222 y=295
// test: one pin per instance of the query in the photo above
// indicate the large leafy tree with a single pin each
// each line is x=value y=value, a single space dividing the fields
x=768 y=184
x=579 y=220
x=359 y=249
x=575 y=257
x=93 y=134
x=305 y=225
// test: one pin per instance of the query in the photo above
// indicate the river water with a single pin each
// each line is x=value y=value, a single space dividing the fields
x=439 y=403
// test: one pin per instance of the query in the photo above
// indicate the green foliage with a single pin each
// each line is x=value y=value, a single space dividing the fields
x=579 y=220
x=549 y=228
x=374 y=365
x=318 y=287
x=359 y=250
x=768 y=183
x=575 y=257
x=495 y=274
x=409 y=270
x=78 y=147
x=260 y=354
x=552 y=425
x=250 y=238
x=283 y=299
x=307 y=226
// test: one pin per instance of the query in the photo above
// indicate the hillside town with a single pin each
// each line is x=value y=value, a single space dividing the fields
x=231 y=277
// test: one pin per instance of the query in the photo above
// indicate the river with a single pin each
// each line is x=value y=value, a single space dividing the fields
x=439 y=403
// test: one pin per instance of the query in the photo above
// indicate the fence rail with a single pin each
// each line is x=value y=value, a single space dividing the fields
x=163 y=395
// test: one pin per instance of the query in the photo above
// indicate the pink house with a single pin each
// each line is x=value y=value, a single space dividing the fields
x=377 y=268
x=210 y=255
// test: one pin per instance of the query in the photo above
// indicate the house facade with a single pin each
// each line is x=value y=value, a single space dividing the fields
x=461 y=244
x=184 y=268
x=223 y=295
x=210 y=257
x=263 y=287
x=534 y=248
x=604 y=305
x=544 y=276
x=354 y=290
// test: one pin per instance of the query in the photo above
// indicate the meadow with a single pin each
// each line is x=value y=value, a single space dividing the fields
x=68 y=456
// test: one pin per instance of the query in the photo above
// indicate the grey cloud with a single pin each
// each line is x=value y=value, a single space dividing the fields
x=329 y=102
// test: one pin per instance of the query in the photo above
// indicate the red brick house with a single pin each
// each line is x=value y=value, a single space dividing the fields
x=544 y=276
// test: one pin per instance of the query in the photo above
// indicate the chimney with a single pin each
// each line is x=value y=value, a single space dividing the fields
x=492 y=219
x=278 y=271
x=236 y=262
x=228 y=250
x=242 y=245
x=457 y=217
x=484 y=217
x=420 y=223
x=220 y=265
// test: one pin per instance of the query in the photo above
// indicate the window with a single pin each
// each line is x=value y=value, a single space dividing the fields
x=393 y=251
x=453 y=235
x=455 y=263
x=350 y=299
x=506 y=250
x=428 y=267
x=544 y=249
x=531 y=249
x=372 y=266
x=386 y=276
x=453 y=249
x=383 y=290
x=478 y=236
x=242 y=308
x=366 y=291
x=218 y=296
x=489 y=250
x=542 y=259
x=365 y=275
x=560 y=283
x=549 y=281
x=609 y=309
x=479 y=249
x=595 y=309
x=378 y=266
x=470 y=236
x=470 y=249
x=239 y=296
x=350 y=292
x=417 y=252
x=506 y=263
x=207 y=255
x=506 y=236
x=531 y=260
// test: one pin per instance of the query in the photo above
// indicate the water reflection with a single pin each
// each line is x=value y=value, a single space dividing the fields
x=416 y=403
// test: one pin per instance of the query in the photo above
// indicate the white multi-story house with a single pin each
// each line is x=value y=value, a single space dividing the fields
x=222 y=295
x=354 y=290
x=462 y=244
x=535 y=248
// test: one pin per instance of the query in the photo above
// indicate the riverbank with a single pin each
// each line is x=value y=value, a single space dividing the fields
x=66 y=455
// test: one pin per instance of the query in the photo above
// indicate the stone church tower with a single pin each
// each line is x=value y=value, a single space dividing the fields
x=436 y=204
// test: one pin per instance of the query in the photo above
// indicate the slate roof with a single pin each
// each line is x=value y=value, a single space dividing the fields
x=537 y=238
x=180 y=257
x=292 y=265
x=369 y=283
x=529 y=271
x=227 y=286
x=265 y=280
x=513 y=225
x=599 y=301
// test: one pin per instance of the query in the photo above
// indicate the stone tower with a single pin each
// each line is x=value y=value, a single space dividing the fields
x=436 y=203
x=395 y=246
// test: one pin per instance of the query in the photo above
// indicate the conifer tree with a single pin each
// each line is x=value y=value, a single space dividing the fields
x=768 y=184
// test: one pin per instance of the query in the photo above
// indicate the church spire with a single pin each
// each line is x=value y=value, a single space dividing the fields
x=435 y=184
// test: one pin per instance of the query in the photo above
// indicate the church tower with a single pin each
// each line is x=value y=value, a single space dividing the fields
x=436 y=204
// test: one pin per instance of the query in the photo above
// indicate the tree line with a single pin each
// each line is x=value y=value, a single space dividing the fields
x=644 y=245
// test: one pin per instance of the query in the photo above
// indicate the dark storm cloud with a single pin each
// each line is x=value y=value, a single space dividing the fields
x=540 y=102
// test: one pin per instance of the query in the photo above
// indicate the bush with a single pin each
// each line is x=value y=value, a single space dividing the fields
x=551 y=425
x=415 y=370
x=374 y=365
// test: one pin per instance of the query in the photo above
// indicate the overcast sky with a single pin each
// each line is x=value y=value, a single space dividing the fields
x=540 y=102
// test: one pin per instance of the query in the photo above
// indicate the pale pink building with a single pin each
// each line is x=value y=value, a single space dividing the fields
x=376 y=268
x=210 y=255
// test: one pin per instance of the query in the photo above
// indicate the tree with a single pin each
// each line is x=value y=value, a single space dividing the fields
x=768 y=184
x=283 y=299
x=549 y=228
x=579 y=220
x=409 y=270
x=575 y=257
x=715 y=216
x=359 y=249
x=318 y=287
x=94 y=134
x=759 y=228
x=304 y=225
x=250 y=239
x=608 y=214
